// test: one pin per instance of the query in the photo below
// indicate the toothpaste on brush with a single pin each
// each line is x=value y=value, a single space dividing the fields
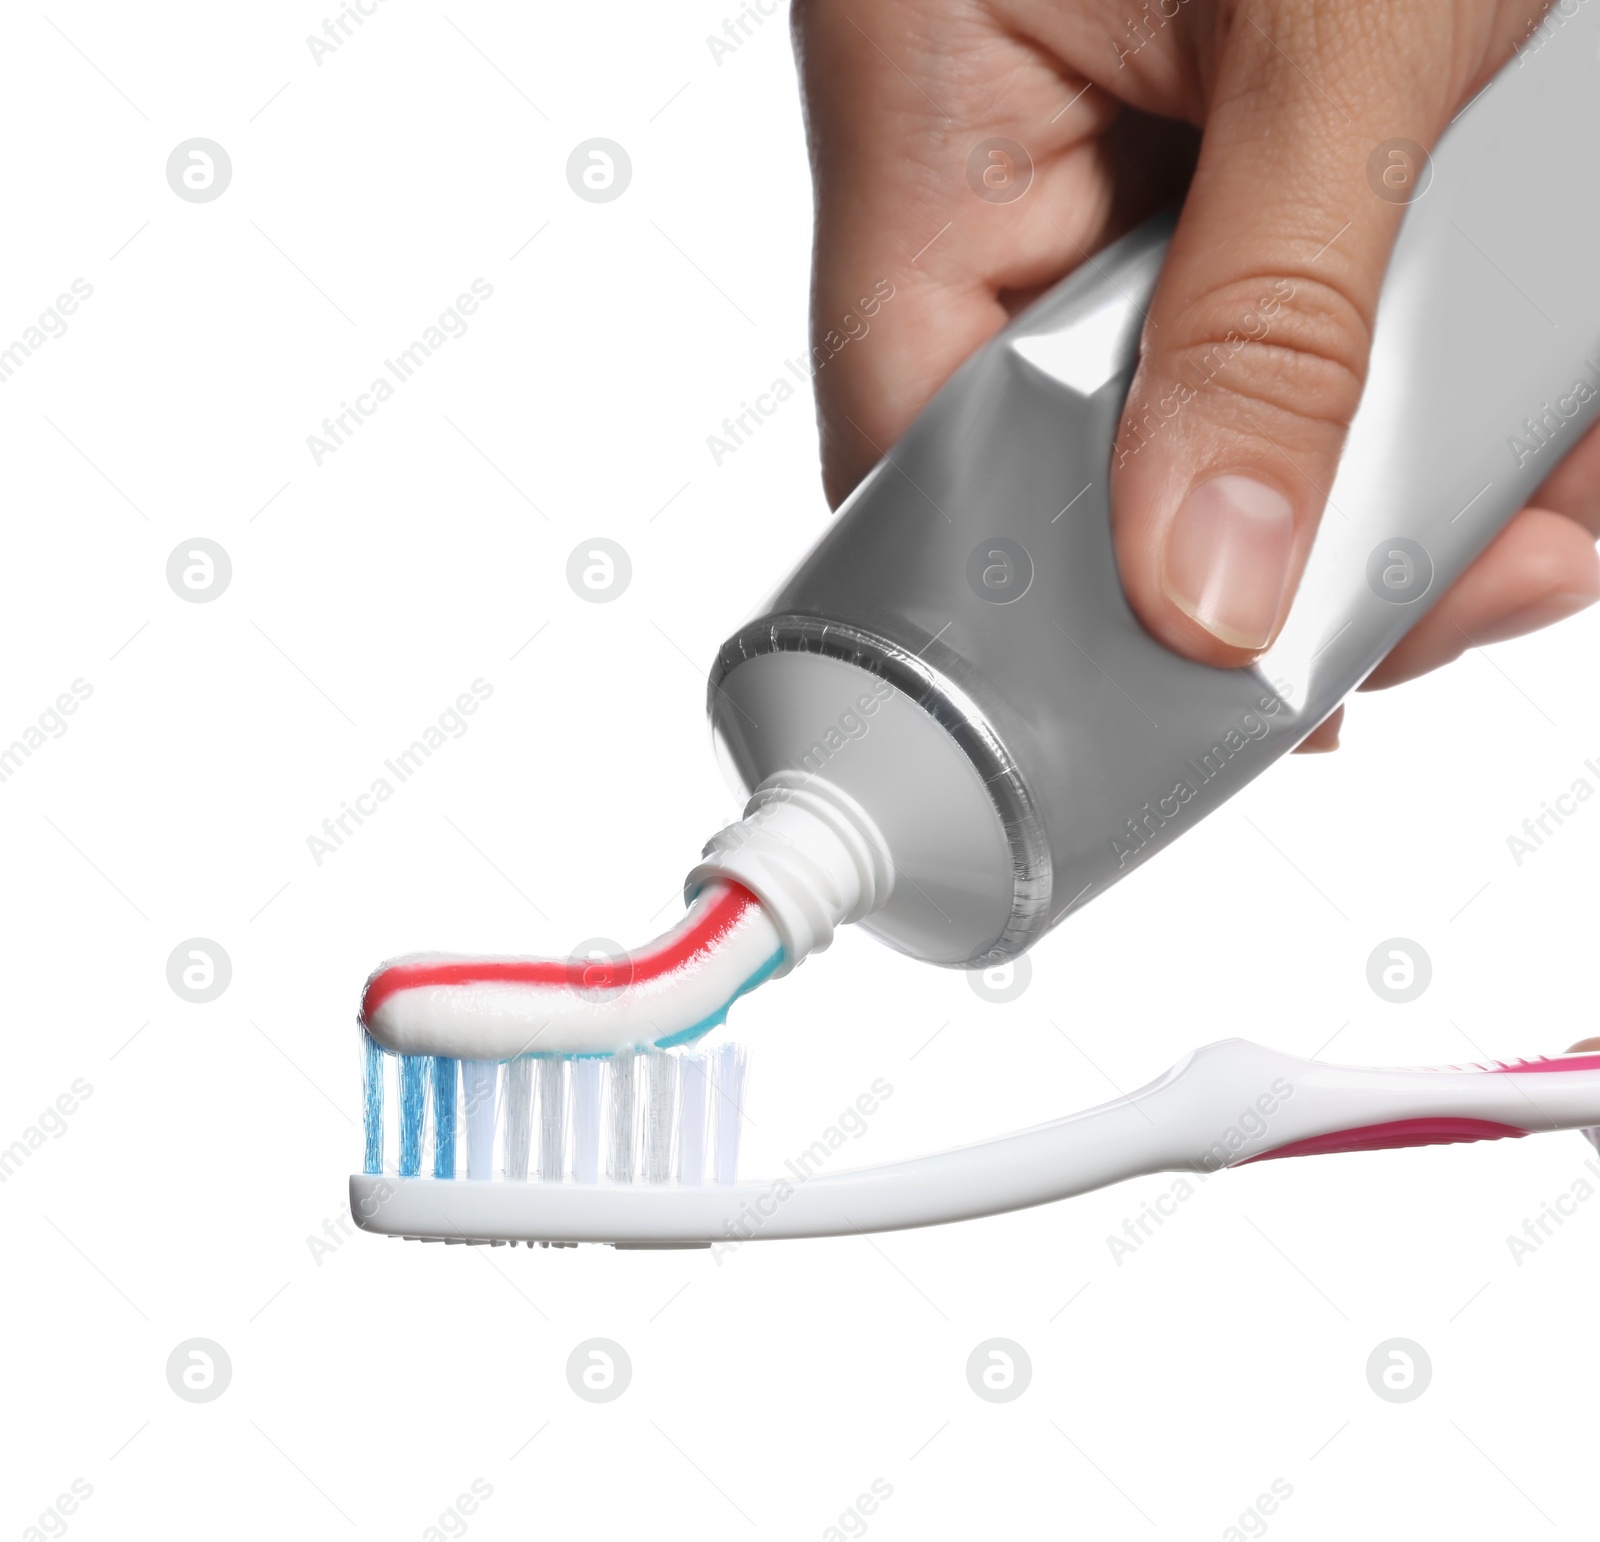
x=768 y=891
x=669 y=992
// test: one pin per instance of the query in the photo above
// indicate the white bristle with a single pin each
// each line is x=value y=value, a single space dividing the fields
x=649 y=1115
x=622 y=1140
x=728 y=1103
x=693 y=1092
x=661 y=1104
x=477 y=1088
x=552 y=1119
x=519 y=1117
x=586 y=1120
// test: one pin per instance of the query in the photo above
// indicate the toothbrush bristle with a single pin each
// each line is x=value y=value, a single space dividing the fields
x=519 y=1117
x=477 y=1092
x=661 y=1103
x=586 y=1120
x=413 y=1110
x=371 y=1104
x=692 y=1103
x=650 y=1115
x=444 y=1117
x=728 y=1085
x=552 y=1119
x=620 y=1146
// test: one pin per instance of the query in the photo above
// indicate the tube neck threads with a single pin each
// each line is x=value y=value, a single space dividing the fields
x=809 y=852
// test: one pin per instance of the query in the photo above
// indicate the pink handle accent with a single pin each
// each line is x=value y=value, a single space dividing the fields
x=1394 y=1134
x=1545 y=1063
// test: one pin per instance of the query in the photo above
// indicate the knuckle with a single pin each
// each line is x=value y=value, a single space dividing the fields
x=1293 y=343
x=1329 y=38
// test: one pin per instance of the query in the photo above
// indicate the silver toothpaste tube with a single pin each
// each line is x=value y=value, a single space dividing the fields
x=952 y=684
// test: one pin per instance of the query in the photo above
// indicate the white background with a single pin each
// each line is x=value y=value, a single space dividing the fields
x=372 y=1383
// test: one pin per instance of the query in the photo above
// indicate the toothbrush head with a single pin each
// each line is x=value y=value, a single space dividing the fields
x=580 y=1125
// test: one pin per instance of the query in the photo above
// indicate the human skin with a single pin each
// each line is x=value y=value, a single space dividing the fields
x=1261 y=115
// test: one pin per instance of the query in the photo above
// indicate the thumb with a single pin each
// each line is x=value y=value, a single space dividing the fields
x=1256 y=344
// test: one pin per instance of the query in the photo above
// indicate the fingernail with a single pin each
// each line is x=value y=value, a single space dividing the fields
x=1545 y=611
x=1323 y=739
x=1228 y=555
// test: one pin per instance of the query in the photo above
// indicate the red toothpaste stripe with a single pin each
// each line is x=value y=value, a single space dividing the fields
x=721 y=916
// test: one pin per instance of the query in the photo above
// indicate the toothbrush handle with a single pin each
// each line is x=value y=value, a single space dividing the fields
x=1327 y=1109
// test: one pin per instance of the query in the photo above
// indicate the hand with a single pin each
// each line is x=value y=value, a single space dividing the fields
x=1266 y=113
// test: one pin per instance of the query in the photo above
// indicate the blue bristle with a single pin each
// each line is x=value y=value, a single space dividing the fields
x=444 y=1117
x=372 y=1102
x=413 y=1101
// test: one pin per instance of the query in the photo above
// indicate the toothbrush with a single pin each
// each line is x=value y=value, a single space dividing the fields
x=954 y=732
x=1226 y=1105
